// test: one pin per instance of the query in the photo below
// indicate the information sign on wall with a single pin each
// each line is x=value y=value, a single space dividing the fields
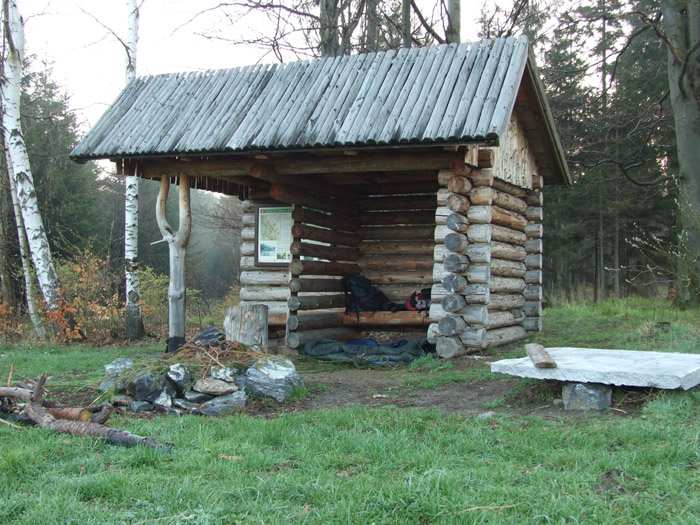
x=273 y=235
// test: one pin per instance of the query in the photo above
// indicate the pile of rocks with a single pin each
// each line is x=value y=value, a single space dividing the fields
x=221 y=392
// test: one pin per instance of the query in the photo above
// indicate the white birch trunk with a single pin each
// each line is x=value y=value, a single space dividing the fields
x=132 y=315
x=37 y=321
x=177 y=245
x=24 y=182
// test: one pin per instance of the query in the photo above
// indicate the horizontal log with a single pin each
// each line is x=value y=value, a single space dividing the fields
x=303 y=198
x=499 y=319
x=432 y=334
x=457 y=223
x=507 y=218
x=314 y=321
x=506 y=301
x=391 y=233
x=479 y=253
x=248 y=248
x=481 y=196
x=458 y=203
x=248 y=206
x=459 y=184
x=534 y=214
x=456 y=242
x=398 y=293
x=451 y=325
x=441 y=214
x=315 y=302
x=325 y=220
x=504 y=336
x=509 y=202
x=533 y=261
x=474 y=337
x=419 y=279
x=534 y=231
x=273 y=307
x=532 y=324
x=301 y=182
x=258 y=278
x=505 y=268
x=397 y=248
x=248 y=264
x=300 y=284
x=439 y=253
x=477 y=293
x=386 y=319
x=507 y=187
x=486 y=158
x=510 y=252
x=479 y=233
x=390 y=263
x=533 y=292
x=454 y=283
x=453 y=303
x=437 y=293
x=534 y=198
x=442 y=195
x=448 y=347
x=504 y=234
x=264 y=293
x=389 y=189
x=319 y=251
x=532 y=309
x=248 y=233
x=456 y=263
x=478 y=273
x=444 y=176
x=475 y=314
x=396 y=203
x=382 y=218
x=339 y=333
x=537 y=182
x=248 y=219
x=322 y=268
x=533 y=277
x=534 y=246
x=508 y=285
x=435 y=313
x=481 y=178
x=312 y=233
x=480 y=214
x=439 y=272
x=441 y=231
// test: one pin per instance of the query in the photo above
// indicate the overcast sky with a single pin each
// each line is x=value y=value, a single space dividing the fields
x=89 y=62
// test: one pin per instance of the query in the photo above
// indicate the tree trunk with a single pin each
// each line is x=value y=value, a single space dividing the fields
x=177 y=245
x=682 y=27
x=24 y=182
x=132 y=314
x=37 y=321
x=453 y=21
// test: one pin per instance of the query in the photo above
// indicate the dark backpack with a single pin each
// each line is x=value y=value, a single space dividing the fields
x=362 y=296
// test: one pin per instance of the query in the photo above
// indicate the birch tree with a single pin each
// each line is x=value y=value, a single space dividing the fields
x=30 y=290
x=177 y=248
x=132 y=315
x=19 y=160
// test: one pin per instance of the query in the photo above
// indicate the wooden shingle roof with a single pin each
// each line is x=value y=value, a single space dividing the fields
x=448 y=94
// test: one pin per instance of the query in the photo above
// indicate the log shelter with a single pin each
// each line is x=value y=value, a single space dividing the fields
x=418 y=168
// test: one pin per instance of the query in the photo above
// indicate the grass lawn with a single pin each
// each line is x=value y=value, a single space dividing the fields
x=380 y=465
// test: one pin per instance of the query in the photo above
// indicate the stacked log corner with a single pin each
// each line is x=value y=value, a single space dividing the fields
x=266 y=285
x=484 y=261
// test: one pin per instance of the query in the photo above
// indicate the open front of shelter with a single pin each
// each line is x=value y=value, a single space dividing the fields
x=418 y=168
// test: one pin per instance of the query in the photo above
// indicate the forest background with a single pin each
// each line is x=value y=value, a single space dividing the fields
x=604 y=64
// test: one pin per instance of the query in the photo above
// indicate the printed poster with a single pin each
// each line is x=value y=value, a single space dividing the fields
x=274 y=235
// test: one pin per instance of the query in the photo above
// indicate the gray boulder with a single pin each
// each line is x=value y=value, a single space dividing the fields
x=214 y=387
x=147 y=386
x=117 y=366
x=197 y=397
x=273 y=378
x=586 y=396
x=141 y=406
x=225 y=374
x=222 y=405
x=179 y=377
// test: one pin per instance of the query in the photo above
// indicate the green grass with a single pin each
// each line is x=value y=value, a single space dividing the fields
x=380 y=465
